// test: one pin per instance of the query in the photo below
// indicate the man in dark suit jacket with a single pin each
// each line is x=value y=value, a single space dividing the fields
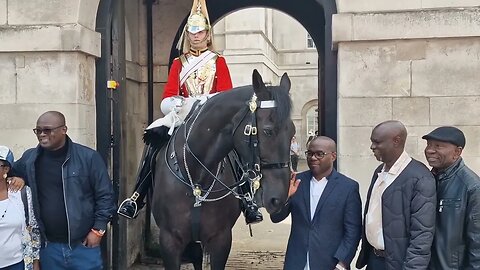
x=326 y=213
x=400 y=208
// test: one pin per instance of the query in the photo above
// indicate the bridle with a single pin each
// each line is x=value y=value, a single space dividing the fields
x=250 y=166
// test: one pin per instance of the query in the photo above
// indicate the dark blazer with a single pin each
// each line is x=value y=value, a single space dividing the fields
x=335 y=230
x=408 y=218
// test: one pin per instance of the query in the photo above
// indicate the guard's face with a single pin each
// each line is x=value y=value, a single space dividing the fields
x=198 y=40
x=440 y=155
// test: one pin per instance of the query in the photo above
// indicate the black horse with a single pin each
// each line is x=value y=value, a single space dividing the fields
x=195 y=195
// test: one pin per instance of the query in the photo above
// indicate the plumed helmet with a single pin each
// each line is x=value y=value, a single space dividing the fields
x=196 y=22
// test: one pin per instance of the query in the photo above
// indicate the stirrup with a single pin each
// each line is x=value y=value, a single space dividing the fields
x=128 y=208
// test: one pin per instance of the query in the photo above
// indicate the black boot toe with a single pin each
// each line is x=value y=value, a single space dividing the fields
x=253 y=215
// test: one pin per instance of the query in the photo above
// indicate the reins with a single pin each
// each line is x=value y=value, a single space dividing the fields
x=250 y=167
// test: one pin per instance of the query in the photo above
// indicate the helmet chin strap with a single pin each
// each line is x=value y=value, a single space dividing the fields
x=197 y=51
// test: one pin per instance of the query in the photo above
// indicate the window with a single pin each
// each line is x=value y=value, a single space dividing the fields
x=312 y=124
x=310 y=43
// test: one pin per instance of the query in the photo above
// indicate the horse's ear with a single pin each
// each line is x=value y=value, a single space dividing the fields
x=257 y=80
x=285 y=81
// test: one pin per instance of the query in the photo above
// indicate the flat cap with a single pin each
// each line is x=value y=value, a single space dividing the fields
x=452 y=135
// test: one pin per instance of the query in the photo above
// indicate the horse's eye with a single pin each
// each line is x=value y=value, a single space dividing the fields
x=268 y=132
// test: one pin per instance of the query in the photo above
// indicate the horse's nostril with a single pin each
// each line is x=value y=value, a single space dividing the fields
x=276 y=202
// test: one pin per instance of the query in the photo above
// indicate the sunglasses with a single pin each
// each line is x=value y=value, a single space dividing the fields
x=39 y=131
x=318 y=155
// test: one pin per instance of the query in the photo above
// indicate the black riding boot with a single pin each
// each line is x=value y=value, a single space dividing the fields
x=251 y=212
x=249 y=207
x=130 y=207
x=154 y=140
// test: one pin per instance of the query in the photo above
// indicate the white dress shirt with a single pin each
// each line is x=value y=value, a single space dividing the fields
x=316 y=189
x=373 y=229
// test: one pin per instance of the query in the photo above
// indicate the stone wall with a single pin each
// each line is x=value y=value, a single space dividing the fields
x=416 y=66
x=47 y=62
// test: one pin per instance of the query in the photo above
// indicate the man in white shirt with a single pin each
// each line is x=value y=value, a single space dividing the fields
x=400 y=209
x=326 y=210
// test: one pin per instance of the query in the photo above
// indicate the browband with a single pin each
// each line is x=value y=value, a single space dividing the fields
x=267 y=104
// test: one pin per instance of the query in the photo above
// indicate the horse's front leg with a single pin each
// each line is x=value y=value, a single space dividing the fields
x=171 y=249
x=219 y=248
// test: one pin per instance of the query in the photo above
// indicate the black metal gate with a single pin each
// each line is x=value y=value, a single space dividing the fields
x=111 y=67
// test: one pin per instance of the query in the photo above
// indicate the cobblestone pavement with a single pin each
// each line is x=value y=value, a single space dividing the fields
x=264 y=251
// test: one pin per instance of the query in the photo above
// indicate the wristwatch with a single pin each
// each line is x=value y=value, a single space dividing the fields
x=98 y=232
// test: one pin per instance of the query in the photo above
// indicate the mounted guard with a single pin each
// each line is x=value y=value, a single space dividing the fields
x=197 y=74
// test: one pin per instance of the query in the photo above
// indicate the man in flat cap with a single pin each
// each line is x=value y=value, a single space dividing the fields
x=456 y=243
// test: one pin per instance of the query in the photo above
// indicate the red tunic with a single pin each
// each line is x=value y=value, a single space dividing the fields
x=222 y=81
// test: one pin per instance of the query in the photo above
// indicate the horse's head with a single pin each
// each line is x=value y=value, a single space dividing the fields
x=268 y=132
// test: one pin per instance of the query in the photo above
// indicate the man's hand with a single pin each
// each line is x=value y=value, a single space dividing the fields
x=92 y=240
x=293 y=185
x=15 y=183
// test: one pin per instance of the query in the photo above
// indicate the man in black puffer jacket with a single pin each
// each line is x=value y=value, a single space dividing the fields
x=457 y=236
x=399 y=214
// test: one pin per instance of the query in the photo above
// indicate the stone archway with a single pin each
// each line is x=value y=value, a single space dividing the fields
x=316 y=17
x=167 y=17
x=309 y=108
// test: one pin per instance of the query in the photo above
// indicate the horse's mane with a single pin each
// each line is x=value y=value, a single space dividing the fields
x=243 y=94
x=283 y=102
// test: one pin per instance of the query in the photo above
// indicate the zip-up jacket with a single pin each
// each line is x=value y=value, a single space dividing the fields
x=457 y=236
x=87 y=189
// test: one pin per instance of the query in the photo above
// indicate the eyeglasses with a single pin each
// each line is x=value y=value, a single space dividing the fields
x=39 y=131
x=318 y=155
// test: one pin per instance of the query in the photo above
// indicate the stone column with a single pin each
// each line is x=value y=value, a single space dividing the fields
x=47 y=62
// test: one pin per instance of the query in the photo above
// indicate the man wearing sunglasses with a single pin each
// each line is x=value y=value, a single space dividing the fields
x=72 y=196
x=326 y=213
